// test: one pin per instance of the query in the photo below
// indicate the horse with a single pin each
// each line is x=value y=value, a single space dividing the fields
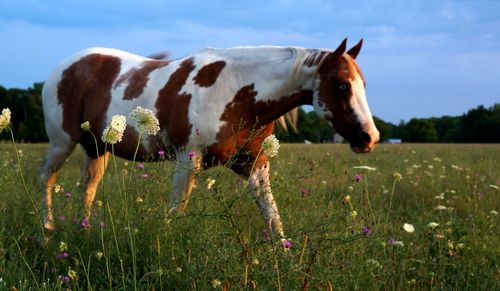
x=214 y=106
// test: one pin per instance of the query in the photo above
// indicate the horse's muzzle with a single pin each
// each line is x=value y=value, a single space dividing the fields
x=365 y=141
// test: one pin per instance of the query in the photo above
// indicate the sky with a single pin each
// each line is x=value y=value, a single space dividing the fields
x=423 y=58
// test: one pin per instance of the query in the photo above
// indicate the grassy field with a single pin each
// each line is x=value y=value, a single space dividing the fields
x=346 y=224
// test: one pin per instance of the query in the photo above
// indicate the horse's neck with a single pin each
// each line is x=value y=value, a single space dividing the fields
x=274 y=71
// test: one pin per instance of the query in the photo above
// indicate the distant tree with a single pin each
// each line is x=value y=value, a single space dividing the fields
x=481 y=124
x=386 y=129
x=420 y=130
x=448 y=128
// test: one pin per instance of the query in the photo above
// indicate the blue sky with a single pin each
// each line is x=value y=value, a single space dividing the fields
x=420 y=58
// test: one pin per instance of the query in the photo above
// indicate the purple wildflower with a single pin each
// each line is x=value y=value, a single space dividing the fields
x=392 y=241
x=102 y=224
x=266 y=235
x=62 y=218
x=145 y=176
x=304 y=191
x=68 y=195
x=357 y=177
x=62 y=255
x=366 y=230
x=287 y=244
x=191 y=154
x=140 y=166
x=197 y=131
x=85 y=223
x=65 y=279
x=161 y=153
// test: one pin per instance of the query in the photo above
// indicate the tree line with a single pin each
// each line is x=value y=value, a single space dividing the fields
x=478 y=125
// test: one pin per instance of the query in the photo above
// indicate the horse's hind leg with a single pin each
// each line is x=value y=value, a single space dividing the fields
x=94 y=171
x=57 y=154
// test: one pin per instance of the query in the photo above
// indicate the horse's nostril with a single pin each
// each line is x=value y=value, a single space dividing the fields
x=365 y=137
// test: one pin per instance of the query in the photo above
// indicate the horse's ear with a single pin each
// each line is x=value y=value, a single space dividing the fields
x=335 y=55
x=354 y=51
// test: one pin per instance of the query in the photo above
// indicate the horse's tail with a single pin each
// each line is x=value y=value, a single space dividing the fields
x=292 y=117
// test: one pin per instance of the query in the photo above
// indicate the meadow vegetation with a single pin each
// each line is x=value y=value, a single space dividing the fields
x=410 y=216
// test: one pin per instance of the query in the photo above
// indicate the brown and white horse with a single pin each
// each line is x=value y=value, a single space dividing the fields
x=218 y=104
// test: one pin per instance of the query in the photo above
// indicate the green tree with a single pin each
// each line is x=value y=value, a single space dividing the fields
x=420 y=130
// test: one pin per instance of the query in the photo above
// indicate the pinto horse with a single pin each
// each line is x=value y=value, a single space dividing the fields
x=213 y=106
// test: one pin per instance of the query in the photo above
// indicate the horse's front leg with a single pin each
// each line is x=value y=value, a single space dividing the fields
x=260 y=186
x=187 y=167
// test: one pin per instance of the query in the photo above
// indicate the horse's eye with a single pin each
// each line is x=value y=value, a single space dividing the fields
x=343 y=86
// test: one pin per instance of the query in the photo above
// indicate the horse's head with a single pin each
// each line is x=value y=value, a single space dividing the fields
x=340 y=98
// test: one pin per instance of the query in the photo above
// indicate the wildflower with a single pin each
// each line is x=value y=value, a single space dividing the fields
x=139 y=200
x=178 y=269
x=146 y=120
x=197 y=131
x=65 y=279
x=439 y=236
x=145 y=176
x=210 y=183
x=366 y=230
x=397 y=176
x=354 y=213
x=62 y=255
x=408 y=228
x=494 y=187
x=364 y=168
x=433 y=225
x=191 y=154
x=440 y=196
x=72 y=274
x=68 y=195
x=99 y=203
x=140 y=166
x=161 y=154
x=494 y=212
x=266 y=234
x=85 y=126
x=287 y=244
x=113 y=133
x=270 y=145
x=358 y=177
x=63 y=246
x=99 y=255
x=4 y=119
x=304 y=192
x=57 y=188
x=373 y=263
x=255 y=262
x=85 y=223
x=440 y=207
x=216 y=283
x=347 y=198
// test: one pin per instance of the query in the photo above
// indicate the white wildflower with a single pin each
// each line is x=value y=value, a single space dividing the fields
x=85 y=126
x=493 y=212
x=113 y=133
x=364 y=168
x=216 y=283
x=408 y=228
x=440 y=196
x=5 y=119
x=99 y=255
x=146 y=120
x=494 y=187
x=433 y=225
x=63 y=246
x=210 y=183
x=72 y=274
x=441 y=207
x=397 y=176
x=373 y=263
x=178 y=269
x=354 y=213
x=270 y=145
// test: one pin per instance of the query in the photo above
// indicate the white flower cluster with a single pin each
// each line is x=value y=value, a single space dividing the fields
x=270 y=145
x=364 y=168
x=4 y=119
x=146 y=120
x=113 y=133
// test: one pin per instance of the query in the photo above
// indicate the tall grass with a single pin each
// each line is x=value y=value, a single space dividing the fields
x=219 y=243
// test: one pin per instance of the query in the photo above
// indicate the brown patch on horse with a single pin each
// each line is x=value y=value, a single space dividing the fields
x=84 y=92
x=207 y=75
x=247 y=123
x=336 y=100
x=138 y=78
x=172 y=107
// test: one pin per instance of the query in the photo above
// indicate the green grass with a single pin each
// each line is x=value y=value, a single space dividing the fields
x=220 y=239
